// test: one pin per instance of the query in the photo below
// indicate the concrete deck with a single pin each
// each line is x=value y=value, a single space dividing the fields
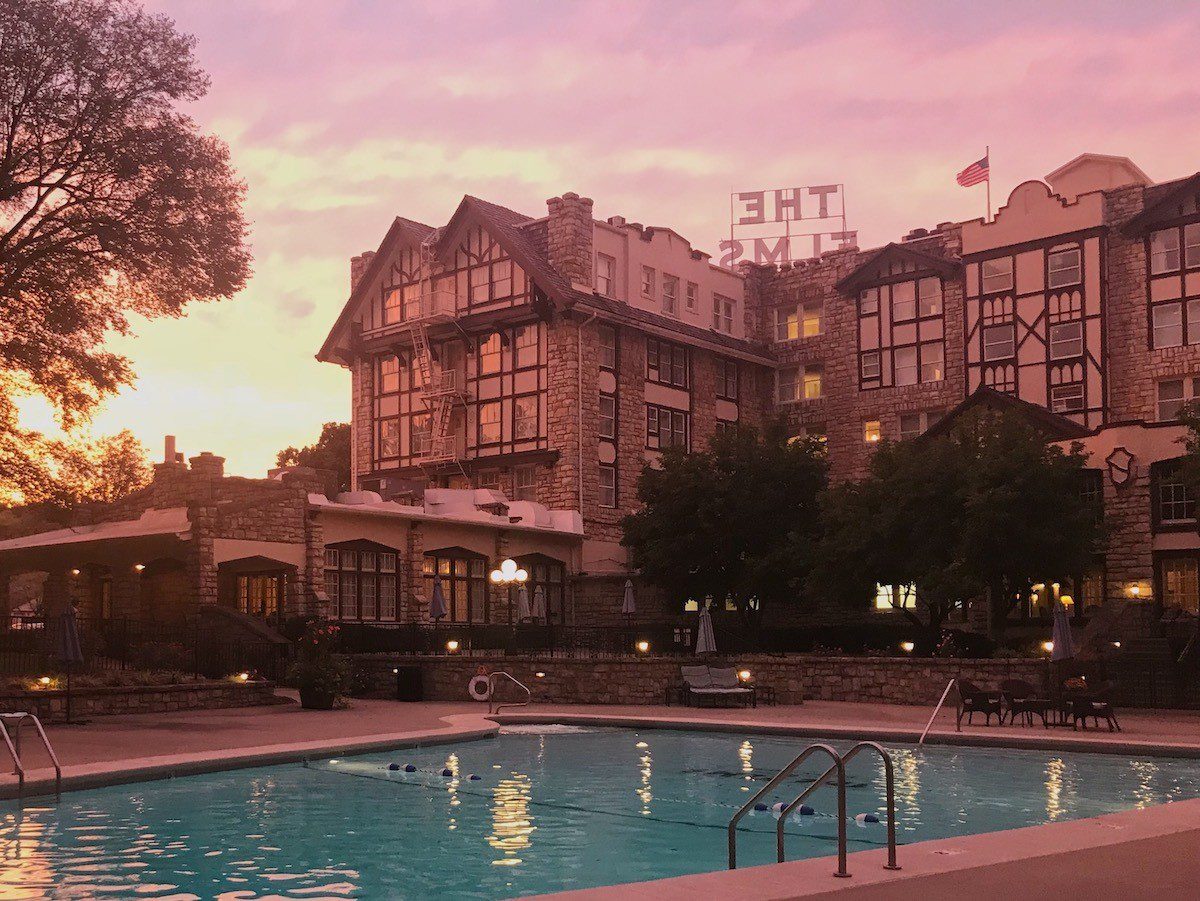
x=1138 y=854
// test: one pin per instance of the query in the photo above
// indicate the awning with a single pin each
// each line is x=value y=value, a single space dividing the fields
x=153 y=531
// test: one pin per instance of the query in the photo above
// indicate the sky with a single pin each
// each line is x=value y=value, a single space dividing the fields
x=341 y=114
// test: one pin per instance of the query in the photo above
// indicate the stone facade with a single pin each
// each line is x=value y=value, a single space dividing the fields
x=51 y=706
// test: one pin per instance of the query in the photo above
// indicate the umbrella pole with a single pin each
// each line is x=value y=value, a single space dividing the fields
x=68 y=691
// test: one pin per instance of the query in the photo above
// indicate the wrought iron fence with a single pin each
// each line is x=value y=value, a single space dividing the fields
x=27 y=647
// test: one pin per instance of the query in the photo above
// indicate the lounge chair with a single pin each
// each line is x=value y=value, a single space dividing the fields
x=972 y=700
x=1022 y=699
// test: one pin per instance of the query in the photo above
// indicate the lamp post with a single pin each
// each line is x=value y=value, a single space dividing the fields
x=507 y=575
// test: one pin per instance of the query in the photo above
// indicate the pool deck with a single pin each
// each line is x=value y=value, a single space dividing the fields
x=1138 y=853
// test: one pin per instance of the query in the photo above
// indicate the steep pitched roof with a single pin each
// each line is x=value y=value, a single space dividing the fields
x=1053 y=426
x=866 y=272
x=400 y=228
x=1164 y=202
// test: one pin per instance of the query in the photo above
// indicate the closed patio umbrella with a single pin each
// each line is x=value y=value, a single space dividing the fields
x=539 y=604
x=67 y=648
x=523 y=611
x=629 y=602
x=1060 y=635
x=706 y=642
x=437 y=601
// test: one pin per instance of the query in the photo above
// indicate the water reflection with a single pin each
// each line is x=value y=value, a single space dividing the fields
x=1055 y=771
x=512 y=826
x=1146 y=772
x=646 y=770
x=746 y=755
x=452 y=789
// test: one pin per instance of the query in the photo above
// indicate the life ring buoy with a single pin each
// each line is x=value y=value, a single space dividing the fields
x=480 y=688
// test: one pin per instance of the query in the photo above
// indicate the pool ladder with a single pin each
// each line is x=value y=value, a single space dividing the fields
x=13 y=743
x=838 y=766
x=493 y=706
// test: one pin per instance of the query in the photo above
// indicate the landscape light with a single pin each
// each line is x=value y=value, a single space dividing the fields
x=643 y=646
x=1117 y=645
x=45 y=680
x=539 y=674
x=908 y=646
x=1048 y=646
x=1135 y=589
x=138 y=567
x=74 y=572
x=744 y=675
x=452 y=645
x=243 y=677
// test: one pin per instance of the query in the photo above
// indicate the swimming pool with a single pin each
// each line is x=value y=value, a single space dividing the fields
x=537 y=809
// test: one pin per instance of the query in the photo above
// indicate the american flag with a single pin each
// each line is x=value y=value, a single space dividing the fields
x=974 y=173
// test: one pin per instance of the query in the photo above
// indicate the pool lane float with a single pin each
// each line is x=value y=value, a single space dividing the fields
x=866 y=819
x=480 y=688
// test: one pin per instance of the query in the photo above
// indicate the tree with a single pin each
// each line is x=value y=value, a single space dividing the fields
x=989 y=509
x=112 y=202
x=736 y=521
x=330 y=453
x=60 y=474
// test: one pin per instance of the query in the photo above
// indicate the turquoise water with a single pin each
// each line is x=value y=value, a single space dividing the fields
x=552 y=809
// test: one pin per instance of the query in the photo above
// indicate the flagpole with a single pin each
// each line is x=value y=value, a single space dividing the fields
x=987 y=154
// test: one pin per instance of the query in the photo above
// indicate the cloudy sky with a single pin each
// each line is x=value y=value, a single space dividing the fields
x=343 y=113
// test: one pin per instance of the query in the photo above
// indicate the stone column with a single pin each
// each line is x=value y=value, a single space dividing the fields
x=413 y=605
x=199 y=555
x=569 y=237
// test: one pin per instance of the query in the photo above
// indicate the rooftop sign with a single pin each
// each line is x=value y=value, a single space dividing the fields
x=786 y=224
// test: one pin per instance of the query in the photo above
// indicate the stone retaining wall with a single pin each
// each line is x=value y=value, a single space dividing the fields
x=88 y=702
x=645 y=680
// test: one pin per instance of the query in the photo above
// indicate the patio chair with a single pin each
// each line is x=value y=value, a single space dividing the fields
x=1022 y=699
x=695 y=681
x=1096 y=704
x=972 y=700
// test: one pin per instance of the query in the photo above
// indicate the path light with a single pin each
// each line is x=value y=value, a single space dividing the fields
x=74 y=572
x=243 y=677
x=744 y=675
x=908 y=646
x=45 y=680
x=1134 y=590
x=452 y=645
x=138 y=567
x=1117 y=645
x=643 y=646
x=539 y=674
x=1048 y=647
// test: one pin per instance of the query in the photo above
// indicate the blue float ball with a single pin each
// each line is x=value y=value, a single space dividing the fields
x=393 y=767
x=760 y=806
x=447 y=772
x=474 y=778
x=806 y=811
x=864 y=818
x=410 y=768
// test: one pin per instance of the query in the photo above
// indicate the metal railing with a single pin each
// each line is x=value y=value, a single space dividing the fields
x=13 y=743
x=839 y=768
x=936 y=708
x=493 y=706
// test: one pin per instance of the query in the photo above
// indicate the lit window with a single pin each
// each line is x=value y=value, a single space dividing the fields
x=999 y=342
x=525 y=417
x=1168 y=325
x=489 y=354
x=872 y=431
x=723 y=314
x=489 y=423
x=997 y=275
x=895 y=597
x=930 y=291
x=1066 y=340
x=1181 y=583
x=1066 y=398
x=525 y=483
x=787 y=324
x=606 y=275
x=608 y=485
x=608 y=347
x=608 y=416
x=906 y=365
x=931 y=362
x=812 y=324
x=812 y=382
x=1063 y=267
x=692 y=296
x=1164 y=251
x=647 y=283
x=670 y=295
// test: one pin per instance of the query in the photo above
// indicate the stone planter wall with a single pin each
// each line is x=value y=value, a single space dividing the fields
x=51 y=706
x=644 y=680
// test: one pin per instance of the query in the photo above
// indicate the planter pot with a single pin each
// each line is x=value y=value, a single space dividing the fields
x=317 y=699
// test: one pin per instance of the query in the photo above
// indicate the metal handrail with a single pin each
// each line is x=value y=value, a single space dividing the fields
x=937 y=707
x=13 y=749
x=890 y=781
x=778 y=778
x=496 y=708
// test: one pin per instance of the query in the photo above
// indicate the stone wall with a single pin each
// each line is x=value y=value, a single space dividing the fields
x=795 y=678
x=51 y=706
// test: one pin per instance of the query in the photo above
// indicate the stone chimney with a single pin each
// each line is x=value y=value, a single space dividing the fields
x=208 y=466
x=569 y=238
x=358 y=265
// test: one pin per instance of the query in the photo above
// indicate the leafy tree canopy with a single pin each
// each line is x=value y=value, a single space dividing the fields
x=736 y=521
x=112 y=202
x=988 y=509
x=331 y=452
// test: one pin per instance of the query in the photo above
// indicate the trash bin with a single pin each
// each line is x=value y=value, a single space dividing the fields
x=409 y=685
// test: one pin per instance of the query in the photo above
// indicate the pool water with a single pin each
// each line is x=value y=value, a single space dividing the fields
x=537 y=809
